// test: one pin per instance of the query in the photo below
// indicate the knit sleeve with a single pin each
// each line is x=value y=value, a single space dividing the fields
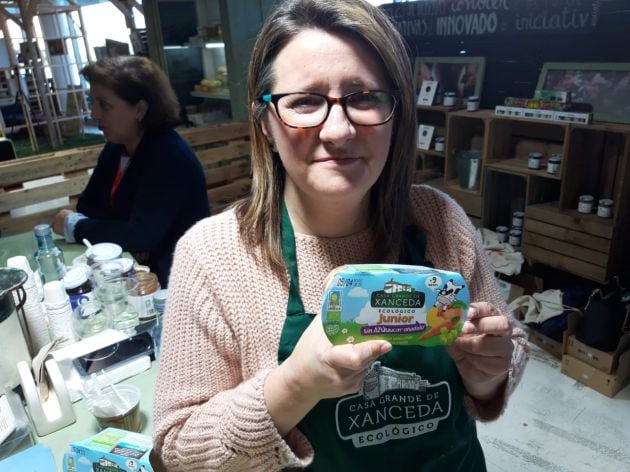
x=207 y=416
x=462 y=251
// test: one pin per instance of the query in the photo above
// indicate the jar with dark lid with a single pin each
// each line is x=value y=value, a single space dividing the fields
x=585 y=203
x=553 y=164
x=502 y=233
x=517 y=219
x=472 y=104
x=515 y=237
x=534 y=160
x=78 y=286
x=439 y=143
x=142 y=299
x=449 y=99
x=605 y=208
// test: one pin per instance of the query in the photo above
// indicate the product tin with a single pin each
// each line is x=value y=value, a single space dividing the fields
x=405 y=305
x=605 y=208
x=449 y=99
x=439 y=143
x=517 y=219
x=585 y=203
x=502 y=233
x=514 y=238
x=553 y=164
x=534 y=159
x=472 y=104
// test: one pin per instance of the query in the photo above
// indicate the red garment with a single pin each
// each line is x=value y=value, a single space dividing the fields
x=119 y=173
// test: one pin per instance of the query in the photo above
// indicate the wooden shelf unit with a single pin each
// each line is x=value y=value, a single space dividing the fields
x=595 y=161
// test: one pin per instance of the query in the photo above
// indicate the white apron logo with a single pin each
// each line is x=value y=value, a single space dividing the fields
x=392 y=405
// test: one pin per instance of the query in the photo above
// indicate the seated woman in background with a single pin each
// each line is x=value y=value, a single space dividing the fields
x=148 y=186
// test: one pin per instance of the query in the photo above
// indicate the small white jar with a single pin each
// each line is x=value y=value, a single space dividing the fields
x=502 y=233
x=515 y=237
x=449 y=99
x=585 y=204
x=553 y=164
x=517 y=219
x=472 y=104
x=605 y=208
x=533 y=160
x=439 y=143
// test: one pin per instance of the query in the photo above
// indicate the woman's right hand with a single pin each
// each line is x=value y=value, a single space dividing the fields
x=316 y=370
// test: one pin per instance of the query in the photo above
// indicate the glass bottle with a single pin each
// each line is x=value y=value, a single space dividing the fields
x=148 y=284
x=49 y=258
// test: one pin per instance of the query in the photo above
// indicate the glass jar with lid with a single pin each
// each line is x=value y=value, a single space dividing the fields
x=585 y=203
x=605 y=208
x=142 y=299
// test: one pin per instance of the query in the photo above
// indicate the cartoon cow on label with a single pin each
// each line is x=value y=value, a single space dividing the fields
x=447 y=294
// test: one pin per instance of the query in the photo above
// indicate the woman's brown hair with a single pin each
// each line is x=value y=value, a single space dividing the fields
x=135 y=78
x=260 y=213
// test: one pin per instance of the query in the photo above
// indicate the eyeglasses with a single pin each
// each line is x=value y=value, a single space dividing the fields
x=308 y=110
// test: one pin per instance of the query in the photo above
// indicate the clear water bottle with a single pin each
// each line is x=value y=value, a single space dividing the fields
x=159 y=303
x=49 y=258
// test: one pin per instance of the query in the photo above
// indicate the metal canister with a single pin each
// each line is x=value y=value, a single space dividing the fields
x=439 y=143
x=449 y=99
x=553 y=164
x=585 y=203
x=472 y=104
x=533 y=160
x=517 y=219
x=515 y=237
x=502 y=233
x=605 y=208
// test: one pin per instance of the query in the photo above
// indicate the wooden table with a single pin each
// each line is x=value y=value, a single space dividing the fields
x=25 y=244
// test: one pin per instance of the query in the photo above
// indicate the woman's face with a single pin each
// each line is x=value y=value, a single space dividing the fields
x=119 y=121
x=336 y=159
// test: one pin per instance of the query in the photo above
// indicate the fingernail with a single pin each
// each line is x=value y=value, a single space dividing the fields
x=385 y=348
x=468 y=328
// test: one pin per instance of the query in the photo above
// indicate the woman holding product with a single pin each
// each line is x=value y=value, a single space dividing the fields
x=148 y=186
x=252 y=382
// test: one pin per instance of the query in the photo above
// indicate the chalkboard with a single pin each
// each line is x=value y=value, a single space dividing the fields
x=465 y=18
x=515 y=58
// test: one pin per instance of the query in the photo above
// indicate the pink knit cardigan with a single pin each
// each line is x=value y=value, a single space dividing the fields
x=222 y=326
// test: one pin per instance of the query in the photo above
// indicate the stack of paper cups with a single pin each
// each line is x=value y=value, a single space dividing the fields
x=59 y=311
x=33 y=309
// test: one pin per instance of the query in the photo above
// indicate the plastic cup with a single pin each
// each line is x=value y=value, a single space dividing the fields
x=129 y=419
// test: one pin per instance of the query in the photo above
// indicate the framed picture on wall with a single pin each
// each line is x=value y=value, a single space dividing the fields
x=605 y=85
x=462 y=75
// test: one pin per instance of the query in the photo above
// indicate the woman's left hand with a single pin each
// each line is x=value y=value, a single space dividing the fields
x=483 y=351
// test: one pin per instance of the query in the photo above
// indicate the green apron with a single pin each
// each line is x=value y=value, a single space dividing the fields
x=411 y=416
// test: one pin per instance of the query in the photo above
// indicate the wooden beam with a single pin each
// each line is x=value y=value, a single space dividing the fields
x=9 y=16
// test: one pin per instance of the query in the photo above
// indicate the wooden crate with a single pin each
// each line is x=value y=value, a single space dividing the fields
x=569 y=241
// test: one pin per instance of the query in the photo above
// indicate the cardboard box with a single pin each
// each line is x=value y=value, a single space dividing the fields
x=604 y=361
x=607 y=384
x=552 y=346
x=111 y=449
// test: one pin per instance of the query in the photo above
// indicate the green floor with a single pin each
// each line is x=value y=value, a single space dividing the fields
x=23 y=145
